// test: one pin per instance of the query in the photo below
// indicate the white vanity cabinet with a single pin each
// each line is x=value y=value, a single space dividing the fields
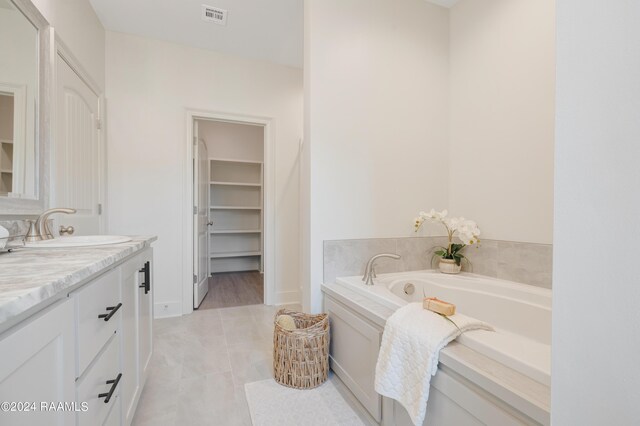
x=91 y=349
x=145 y=315
x=137 y=318
x=38 y=365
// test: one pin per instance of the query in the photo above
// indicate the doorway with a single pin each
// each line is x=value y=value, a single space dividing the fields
x=232 y=213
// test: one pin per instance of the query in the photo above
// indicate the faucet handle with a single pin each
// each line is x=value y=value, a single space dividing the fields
x=67 y=230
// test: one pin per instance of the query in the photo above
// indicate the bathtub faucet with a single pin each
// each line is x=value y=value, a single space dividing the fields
x=370 y=269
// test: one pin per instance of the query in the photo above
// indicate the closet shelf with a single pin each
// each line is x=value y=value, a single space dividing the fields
x=234 y=208
x=7 y=141
x=238 y=231
x=235 y=183
x=222 y=255
x=230 y=160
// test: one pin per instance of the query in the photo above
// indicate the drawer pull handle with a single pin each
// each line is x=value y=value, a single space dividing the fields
x=147 y=277
x=112 y=309
x=114 y=384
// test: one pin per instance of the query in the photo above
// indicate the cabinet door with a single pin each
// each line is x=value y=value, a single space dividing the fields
x=355 y=344
x=38 y=363
x=145 y=315
x=130 y=370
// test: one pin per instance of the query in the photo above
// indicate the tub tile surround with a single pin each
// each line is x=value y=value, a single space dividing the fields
x=527 y=263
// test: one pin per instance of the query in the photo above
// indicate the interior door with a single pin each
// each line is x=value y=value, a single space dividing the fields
x=200 y=219
x=77 y=152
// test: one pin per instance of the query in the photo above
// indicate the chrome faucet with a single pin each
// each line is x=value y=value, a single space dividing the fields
x=40 y=230
x=370 y=269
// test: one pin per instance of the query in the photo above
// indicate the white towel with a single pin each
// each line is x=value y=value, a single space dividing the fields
x=411 y=344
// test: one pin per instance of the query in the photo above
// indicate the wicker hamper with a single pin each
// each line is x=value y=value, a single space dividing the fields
x=301 y=356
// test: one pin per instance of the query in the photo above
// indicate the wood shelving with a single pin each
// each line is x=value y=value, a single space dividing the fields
x=239 y=231
x=235 y=208
x=6 y=166
x=235 y=184
x=236 y=211
x=235 y=254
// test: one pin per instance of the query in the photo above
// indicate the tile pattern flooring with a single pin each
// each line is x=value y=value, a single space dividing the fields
x=234 y=289
x=201 y=363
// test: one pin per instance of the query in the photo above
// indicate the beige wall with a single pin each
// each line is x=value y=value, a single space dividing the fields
x=150 y=86
x=502 y=117
x=232 y=140
x=77 y=24
x=6 y=117
x=376 y=95
x=410 y=106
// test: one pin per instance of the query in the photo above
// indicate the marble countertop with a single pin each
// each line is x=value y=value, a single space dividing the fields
x=525 y=394
x=33 y=277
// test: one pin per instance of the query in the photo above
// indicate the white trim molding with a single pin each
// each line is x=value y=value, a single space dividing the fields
x=269 y=218
x=167 y=309
x=287 y=298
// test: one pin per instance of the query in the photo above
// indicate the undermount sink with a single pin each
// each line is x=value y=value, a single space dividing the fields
x=79 y=241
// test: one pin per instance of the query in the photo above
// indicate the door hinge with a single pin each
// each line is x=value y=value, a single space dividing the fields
x=195 y=279
x=98 y=124
x=195 y=209
x=99 y=209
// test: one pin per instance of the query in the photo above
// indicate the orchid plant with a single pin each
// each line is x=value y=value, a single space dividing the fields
x=464 y=229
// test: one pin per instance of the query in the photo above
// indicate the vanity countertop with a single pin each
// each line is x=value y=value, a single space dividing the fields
x=32 y=278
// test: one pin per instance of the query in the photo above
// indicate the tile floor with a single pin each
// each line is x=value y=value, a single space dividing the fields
x=201 y=363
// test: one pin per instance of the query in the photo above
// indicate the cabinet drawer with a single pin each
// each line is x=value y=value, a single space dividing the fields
x=98 y=316
x=355 y=344
x=94 y=383
x=113 y=418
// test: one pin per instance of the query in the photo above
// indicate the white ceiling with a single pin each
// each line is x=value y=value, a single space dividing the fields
x=269 y=30
x=444 y=3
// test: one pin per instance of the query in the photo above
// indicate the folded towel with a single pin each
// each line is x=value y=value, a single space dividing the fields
x=411 y=344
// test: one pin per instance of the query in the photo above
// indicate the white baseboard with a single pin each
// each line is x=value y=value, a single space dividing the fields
x=287 y=298
x=167 y=309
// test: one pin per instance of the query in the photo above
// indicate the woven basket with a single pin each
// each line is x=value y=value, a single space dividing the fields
x=301 y=356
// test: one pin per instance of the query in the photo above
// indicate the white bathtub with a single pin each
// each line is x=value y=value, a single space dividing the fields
x=520 y=314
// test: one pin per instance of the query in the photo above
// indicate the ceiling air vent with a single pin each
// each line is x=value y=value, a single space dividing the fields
x=214 y=14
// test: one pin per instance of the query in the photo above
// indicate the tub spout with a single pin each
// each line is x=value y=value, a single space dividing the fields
x=370 y=271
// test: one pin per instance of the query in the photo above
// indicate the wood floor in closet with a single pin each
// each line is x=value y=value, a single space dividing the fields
x=234 y=289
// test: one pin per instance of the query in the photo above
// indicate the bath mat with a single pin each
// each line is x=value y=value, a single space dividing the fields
x=272 y=404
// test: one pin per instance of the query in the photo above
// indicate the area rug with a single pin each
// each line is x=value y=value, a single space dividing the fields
x=271 y=404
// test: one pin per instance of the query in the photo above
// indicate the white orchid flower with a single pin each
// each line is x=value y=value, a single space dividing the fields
x=467 y=239
x=466 y=230
x=452 y=223
x=433 y=215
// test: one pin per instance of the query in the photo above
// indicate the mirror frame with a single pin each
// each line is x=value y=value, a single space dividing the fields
x=24 y=206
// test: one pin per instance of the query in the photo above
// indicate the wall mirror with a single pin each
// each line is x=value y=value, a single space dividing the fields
x=24 y=120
